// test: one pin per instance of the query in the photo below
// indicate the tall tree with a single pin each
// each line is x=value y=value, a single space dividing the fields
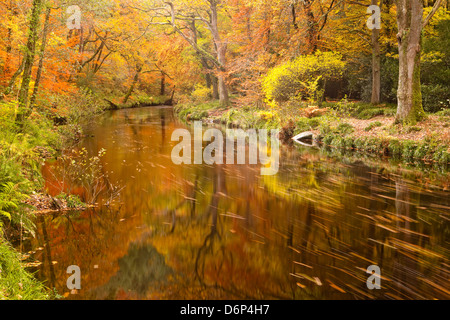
x=209 y=15
x=28 y=63
x=41 y=58
x=410 y=24
x=376 y=60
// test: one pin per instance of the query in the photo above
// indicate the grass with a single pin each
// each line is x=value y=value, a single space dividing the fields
x=199 y=111
x=373 y=125
x=361 y=110
x=15 y=282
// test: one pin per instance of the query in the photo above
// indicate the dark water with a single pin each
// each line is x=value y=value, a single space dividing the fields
x=226 y=232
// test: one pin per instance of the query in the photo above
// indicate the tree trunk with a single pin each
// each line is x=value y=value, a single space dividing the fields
x=409 y=20
x=208 y=69
x=376 y=63
x=215 y=86
x=133 y=84
x=8 y=52
x=218 y=61
x=28 y=64
x=311 y=27
x=221 y=55
x=13 y=12
x=13 y=79
x=163 y=84
x=41 y=58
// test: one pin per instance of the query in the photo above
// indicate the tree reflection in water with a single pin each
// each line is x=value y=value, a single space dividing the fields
x=225 y=232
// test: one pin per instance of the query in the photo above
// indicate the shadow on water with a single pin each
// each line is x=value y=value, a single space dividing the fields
x=226 y=232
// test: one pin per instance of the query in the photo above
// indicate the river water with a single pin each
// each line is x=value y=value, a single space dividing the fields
x=227 y=232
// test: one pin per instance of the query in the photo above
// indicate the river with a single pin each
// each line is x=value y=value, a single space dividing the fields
x=227 y=232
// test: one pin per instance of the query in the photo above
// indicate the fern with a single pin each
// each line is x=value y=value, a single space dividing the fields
x=11 y=204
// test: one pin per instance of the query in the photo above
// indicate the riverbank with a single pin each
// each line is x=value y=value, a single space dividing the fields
x=23 y=151
x=355 y=126
x=138 y=101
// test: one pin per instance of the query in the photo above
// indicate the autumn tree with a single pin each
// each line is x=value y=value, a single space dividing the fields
x=208 y=13
x=29 y=59
x=376 y=58
x=410 y=23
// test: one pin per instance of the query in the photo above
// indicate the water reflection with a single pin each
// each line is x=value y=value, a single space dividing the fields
x=218 y=231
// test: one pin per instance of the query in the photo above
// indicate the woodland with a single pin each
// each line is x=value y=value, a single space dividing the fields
x=370 y=76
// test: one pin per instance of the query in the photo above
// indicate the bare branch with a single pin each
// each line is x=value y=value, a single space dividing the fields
x=436 y=6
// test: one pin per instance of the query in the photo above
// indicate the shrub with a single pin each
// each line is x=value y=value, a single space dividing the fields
x=201 y=93
x=435 y=97
x=72 y=201
x=304 y=76
x=76 y=108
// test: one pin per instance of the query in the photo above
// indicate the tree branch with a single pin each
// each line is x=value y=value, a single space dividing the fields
x=436 y=6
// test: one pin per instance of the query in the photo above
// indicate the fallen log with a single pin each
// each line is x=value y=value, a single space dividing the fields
x=307 y=135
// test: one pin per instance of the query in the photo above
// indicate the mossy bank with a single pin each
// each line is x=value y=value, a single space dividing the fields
x=360 y=127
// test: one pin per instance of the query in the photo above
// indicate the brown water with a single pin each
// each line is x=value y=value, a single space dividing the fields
x=226 y=232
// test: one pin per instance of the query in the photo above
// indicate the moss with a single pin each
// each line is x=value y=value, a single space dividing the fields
x=418 y=112
x=413 y=129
